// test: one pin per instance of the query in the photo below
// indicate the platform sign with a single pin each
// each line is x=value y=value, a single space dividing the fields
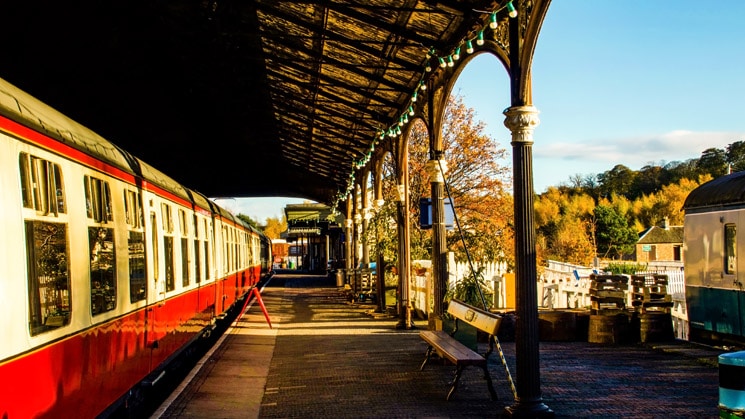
x=425 y=214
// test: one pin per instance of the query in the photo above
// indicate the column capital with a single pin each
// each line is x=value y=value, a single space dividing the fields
x=436 y=175
x=521 y=121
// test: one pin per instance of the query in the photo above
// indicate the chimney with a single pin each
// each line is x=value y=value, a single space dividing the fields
x=666 y=223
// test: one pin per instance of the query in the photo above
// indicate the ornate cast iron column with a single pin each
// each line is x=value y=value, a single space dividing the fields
x=439 y=244
x=365 y=213
x=522 y=120
x=404 y=256
x=348 y=240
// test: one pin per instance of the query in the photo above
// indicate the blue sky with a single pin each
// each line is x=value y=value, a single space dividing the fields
x=631 y=82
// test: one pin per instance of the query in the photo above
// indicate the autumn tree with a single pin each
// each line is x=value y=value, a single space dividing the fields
x=274 y=227
x=478 y=184
x=381 y=234
x=565 y=225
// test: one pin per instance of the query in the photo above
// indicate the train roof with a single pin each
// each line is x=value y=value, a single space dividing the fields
x=19 y=106
x=721 y=192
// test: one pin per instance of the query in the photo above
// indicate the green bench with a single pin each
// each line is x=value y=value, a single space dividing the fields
x=447 y=347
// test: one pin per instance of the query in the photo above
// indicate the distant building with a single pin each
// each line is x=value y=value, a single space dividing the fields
x=280 y=252
x=660 y=244
x=314 y=237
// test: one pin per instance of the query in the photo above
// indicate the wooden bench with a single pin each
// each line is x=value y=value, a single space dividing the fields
x=457 y=353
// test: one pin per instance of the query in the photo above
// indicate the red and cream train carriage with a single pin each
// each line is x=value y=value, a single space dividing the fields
x=108 y=268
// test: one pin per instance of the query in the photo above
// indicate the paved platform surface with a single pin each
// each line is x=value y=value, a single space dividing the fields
x=328 y=358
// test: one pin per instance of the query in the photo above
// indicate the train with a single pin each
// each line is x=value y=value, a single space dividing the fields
x=714 y=270
x=109 y=269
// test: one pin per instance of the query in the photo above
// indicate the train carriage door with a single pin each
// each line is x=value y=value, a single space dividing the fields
x=156 y=299
x=738 y=282
x=730 y=318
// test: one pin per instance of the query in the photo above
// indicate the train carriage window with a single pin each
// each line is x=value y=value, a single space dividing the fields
x=98 y=200
x=133 y=212
x=185 y=271
x=207 y=258
x=137 y=267
x=42 y=188
x=167 y=218
x=183 y=227
x=730 y=249
x=197 y=256
x=135 y=218
x=168 y=247
x=156 y=249
x=208 y=261
x=103 y=269
x=102 y=255
x=198 y=259
x=185 y=274
x=47 y=251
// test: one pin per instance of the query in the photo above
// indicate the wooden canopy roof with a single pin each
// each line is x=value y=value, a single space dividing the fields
x=237 y=97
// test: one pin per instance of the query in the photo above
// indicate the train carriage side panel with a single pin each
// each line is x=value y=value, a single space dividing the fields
x=712 y=295
x=114 y=280
x=202 y=221
x=72 y=322
x=714 y=240
x=13 y=295
x=65 y=356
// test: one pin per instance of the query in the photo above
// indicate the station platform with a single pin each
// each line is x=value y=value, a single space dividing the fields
x=326 y=357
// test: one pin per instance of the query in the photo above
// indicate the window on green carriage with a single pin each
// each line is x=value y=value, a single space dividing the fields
x=100 y=245
x=168 y=246
x=730 y=249
x=135 y=218
x=47 y=246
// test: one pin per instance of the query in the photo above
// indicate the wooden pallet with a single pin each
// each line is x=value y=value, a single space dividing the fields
x=607 y=294
x=649 y=293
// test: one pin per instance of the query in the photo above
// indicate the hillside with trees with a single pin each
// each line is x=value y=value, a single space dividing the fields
x=602 y=215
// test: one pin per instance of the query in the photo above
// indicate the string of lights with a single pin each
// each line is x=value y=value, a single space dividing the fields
x=443 y=61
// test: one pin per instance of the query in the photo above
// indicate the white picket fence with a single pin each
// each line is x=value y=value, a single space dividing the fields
x=561 y=285
x=565 y=291
x=421 y=288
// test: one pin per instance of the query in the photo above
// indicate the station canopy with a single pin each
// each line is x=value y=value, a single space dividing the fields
x=234 y=97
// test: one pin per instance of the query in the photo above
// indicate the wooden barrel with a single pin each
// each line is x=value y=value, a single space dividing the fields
x=608 y=328
x=583 y=324
x=557 y=325
x=656 y=327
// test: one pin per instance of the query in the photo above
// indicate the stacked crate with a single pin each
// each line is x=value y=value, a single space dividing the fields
x=652 y=304
x=649 y=294
x=608 y=294
x=609 y=321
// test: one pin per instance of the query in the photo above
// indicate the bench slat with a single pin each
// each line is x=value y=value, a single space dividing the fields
x=488 y=322
x=454 y=351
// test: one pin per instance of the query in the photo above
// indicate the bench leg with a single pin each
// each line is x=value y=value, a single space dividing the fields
x=426 y=357
x=458 y=372
x=489 y=383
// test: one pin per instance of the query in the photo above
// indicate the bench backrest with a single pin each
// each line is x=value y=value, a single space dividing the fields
x=476 y=317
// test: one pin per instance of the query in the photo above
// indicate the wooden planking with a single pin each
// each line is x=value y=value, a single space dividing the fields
x=454 y=351
x=480 y=319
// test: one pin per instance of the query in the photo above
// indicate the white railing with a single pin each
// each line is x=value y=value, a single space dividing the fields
x=562 y=285
x=421 y=288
